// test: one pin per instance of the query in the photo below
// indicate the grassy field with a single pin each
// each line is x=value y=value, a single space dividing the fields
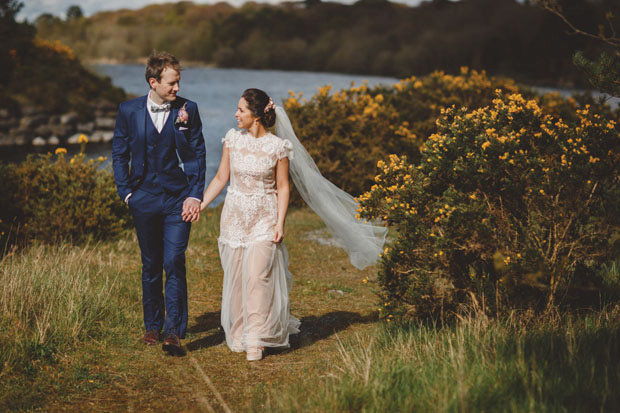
x=514 y=365
x=71 y=320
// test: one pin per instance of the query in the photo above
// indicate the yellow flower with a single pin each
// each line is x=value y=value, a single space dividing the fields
x=486 y=144
x=60 y=151
x=82 y=139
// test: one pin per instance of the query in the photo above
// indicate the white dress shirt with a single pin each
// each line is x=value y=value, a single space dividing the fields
x=159 y=118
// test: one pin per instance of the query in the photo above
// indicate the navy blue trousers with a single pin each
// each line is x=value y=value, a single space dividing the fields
x=162 y=235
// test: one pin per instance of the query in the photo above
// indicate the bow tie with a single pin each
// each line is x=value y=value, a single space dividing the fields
x=163 y=108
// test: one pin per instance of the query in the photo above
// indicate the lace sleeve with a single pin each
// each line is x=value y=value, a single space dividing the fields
x=228 y=139
x=285 y=150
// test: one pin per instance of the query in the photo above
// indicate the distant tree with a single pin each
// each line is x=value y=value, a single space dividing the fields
x=604 y=73
x=310 y=3
x=8 y=9
x=14 y=36
x=372 y=2
x=74 y=13
x=46 y=18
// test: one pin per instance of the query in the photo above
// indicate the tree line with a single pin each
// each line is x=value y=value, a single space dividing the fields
x=503 y=37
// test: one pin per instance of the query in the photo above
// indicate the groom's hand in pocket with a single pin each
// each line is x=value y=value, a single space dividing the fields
x=191 y=210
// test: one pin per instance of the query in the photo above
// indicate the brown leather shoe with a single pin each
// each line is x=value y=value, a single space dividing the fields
x=151 y=337
x=172 y=345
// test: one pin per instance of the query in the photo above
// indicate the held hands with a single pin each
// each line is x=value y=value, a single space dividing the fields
x=191 y=210
x=279 y=234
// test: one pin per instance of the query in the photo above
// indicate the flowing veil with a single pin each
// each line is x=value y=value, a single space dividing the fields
x=362 y=241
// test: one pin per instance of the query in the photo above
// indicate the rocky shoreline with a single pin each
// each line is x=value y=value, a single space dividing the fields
x=36 y=127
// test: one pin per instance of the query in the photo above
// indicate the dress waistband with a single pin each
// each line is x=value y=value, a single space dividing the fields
x=236 y=192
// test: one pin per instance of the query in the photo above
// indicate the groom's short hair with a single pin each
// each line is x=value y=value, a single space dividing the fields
x=157 y=62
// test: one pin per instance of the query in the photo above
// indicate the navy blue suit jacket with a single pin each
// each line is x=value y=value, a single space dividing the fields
x=129 y=145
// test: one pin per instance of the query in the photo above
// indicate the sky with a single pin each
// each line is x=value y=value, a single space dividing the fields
x=34 y=8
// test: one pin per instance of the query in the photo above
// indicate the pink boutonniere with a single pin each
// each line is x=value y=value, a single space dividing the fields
x=182 y=117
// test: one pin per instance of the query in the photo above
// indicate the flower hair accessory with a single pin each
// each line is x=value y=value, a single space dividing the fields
x=270 y=105
x=182 y=118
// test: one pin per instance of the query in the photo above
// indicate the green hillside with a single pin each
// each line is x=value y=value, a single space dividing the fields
x=504 y=37
x=44 y=75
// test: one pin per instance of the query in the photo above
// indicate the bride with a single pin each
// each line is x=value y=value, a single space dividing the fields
x=255 y=296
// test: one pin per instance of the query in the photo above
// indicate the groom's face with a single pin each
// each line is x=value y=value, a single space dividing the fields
x=168 y=85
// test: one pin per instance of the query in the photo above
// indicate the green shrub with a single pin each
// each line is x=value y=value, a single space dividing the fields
x=510 y=205
x=49 y=197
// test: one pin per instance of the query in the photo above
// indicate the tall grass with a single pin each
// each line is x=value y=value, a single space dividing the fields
x=51 y=297
x=478 y=364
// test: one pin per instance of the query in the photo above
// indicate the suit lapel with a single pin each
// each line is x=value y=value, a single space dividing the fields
x=142 y=116
x=173 y=115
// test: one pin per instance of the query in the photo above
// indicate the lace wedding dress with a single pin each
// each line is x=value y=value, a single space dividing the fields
x=257 y=282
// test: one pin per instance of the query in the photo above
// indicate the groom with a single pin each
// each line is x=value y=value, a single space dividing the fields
x=159 y=164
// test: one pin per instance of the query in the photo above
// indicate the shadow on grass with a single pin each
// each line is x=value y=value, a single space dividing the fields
x=315 y=328
x=206 y=322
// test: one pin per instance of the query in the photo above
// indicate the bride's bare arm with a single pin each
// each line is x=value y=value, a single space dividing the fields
x=219 y=181
x=283 y=196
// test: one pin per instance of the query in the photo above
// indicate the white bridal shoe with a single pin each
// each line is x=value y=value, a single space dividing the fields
x=255 y=354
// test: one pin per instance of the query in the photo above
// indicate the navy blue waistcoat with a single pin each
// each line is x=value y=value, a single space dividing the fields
x=162 y=171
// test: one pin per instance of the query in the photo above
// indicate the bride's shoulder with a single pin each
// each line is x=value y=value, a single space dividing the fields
x=279 y=140
x=230 y=136
x=284 y=147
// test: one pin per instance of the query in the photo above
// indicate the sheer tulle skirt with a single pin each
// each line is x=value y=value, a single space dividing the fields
x=255 y=296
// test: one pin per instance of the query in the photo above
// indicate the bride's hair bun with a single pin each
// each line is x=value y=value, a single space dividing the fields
x=261 y=105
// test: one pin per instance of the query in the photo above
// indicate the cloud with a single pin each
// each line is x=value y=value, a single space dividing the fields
x=34 y=8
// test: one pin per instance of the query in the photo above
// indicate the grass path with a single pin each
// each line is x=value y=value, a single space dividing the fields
x=121 y=374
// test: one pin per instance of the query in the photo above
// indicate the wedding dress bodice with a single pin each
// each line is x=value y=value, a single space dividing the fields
x=250 y=210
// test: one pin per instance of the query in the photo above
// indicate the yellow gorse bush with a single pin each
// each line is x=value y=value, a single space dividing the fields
x=55 y=46
x=348 y=131
x=47 y=198
x=510 y=204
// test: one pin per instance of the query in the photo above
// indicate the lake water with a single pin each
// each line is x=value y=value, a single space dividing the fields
x=217 y=93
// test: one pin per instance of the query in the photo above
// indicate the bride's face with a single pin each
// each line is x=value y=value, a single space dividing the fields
x=245 y=117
